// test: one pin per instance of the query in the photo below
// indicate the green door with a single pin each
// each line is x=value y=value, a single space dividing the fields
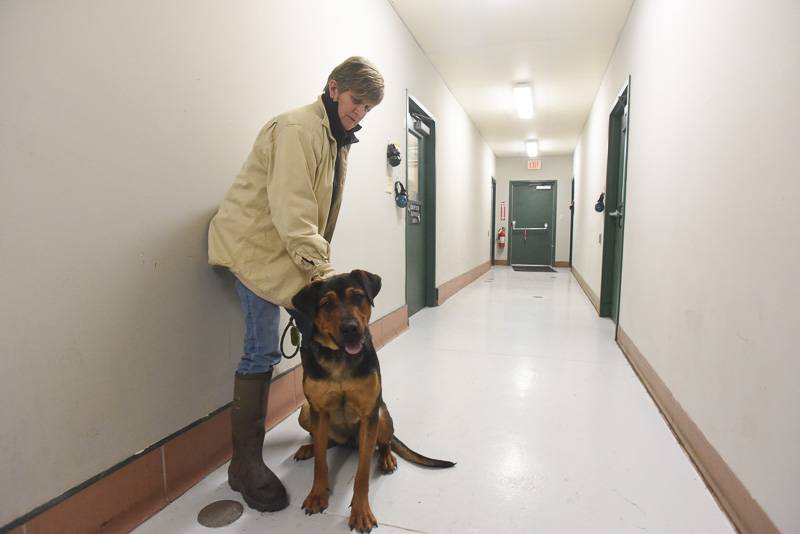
x=618 y=217
x=614 y=224
x=532 y=223
x=416 y=221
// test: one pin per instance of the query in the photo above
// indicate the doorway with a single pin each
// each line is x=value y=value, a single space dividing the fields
x=571 y=219
x=532 y=214
x=614 y=223
x=493 y=230
x=421 y=208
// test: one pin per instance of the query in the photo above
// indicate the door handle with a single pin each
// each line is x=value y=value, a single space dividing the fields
x=514 y=227
x=618 y=214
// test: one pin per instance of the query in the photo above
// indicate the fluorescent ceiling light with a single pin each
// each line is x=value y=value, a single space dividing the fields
x=532 y=148
x=523 y=95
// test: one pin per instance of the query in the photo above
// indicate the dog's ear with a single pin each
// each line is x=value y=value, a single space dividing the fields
x=370 y=282
x=305 y=301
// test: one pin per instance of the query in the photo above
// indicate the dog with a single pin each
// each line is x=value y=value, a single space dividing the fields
x=342 y=385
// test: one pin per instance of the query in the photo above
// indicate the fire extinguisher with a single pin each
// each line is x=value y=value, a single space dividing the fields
x=501 y=237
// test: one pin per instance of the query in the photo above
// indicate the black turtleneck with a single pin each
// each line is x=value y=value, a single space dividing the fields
x=343 y=138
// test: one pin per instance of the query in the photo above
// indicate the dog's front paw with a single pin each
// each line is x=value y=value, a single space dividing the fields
x=361 y=519
x=315 y=503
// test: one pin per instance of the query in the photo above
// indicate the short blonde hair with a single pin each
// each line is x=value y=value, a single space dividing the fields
x=358 y=75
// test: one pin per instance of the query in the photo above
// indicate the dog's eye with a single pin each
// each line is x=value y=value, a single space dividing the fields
x=328 y=305
x=357 y=298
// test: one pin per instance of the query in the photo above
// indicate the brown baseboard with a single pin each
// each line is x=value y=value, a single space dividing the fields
x=451 y=287
x=129 y=493
x=501 y=262
x=116 y=503
x=743 y=510
x=389 y=327
x=586 y=289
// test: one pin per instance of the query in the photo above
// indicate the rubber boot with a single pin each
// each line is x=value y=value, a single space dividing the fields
x=247 y=474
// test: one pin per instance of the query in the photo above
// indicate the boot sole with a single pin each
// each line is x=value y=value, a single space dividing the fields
x=258 y=505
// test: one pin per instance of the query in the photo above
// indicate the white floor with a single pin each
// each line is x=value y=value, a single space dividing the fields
x=517 y=380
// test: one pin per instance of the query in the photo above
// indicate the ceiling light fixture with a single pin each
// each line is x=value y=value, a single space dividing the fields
x=523 y=95
x=532 y=148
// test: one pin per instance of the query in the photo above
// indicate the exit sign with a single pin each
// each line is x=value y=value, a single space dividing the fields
x=534 y=164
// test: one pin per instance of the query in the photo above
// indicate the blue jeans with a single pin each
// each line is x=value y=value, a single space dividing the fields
x=262 y=332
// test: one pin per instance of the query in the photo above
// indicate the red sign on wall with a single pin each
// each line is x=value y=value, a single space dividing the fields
x=534 y=164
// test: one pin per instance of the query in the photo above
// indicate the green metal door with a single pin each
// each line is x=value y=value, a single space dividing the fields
x=416 y=221
x=614 y=224
x=618 y=217
x=532 y=223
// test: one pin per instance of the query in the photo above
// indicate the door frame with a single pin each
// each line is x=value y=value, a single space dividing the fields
x=413 y=105
x=511 y=183
x=614 y=165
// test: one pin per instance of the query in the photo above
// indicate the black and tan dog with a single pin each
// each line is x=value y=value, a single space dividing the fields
x=342 y=384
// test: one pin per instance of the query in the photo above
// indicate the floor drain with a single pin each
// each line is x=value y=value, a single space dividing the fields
x=220 y=514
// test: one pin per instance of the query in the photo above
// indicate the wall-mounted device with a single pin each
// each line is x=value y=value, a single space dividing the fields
x=393 y=155
x=400 y=195
x=600 y=205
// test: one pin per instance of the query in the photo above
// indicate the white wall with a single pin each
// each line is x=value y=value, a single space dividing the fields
x=557 y=168
x=464 y=170
x=122 y=126
x=709 y=284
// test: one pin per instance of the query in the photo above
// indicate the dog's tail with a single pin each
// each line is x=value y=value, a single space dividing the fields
x=414 y=457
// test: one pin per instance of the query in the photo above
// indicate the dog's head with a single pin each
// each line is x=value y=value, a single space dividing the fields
x=340 y=307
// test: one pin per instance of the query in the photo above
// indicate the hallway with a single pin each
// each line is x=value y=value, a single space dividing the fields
x=517 y=380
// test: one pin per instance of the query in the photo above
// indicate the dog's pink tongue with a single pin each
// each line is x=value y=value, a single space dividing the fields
x=354 y=348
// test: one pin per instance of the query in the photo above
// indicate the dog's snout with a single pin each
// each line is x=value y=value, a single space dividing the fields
x=349 y=328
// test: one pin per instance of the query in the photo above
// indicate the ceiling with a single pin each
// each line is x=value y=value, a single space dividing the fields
x=481 y=48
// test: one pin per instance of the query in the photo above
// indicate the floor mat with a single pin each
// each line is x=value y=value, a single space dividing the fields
x=534 y=268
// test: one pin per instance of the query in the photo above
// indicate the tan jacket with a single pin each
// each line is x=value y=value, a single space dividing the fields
x=275 y=224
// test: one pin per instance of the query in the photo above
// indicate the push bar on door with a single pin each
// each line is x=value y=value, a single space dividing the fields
x=514 y=227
